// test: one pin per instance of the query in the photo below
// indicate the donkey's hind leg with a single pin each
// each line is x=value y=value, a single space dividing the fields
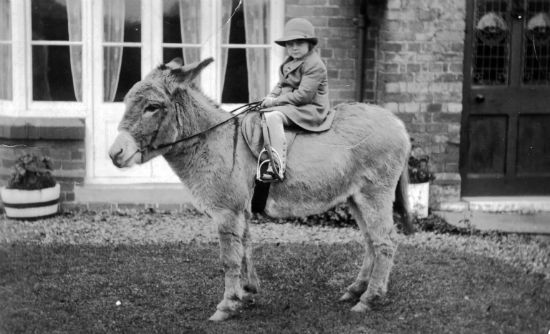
x=376 y=209
x=356 y=289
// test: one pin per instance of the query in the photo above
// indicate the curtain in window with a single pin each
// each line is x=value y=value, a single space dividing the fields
x=190 y=14
x=5 y=51
x=257 y=62
x=74 y=16
x=226 y=16
x=113 y=31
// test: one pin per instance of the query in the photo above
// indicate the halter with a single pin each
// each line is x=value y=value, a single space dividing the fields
x=252 y=106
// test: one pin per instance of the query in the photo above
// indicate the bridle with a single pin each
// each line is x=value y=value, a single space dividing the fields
x=246 y=108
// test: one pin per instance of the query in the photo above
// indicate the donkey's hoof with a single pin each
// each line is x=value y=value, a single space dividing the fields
x=347 y=297
x=360 y=308
x=219 y=316
x=248 y=299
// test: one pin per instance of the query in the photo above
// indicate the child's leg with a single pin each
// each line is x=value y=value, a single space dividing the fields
x=276 y=121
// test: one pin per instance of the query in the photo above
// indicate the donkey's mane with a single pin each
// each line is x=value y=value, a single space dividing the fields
x=193 y=86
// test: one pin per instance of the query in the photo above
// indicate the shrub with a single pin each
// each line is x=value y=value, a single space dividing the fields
x=419 y=165
x=31 y=172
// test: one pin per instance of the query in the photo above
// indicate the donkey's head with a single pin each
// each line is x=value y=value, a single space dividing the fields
x=152 y=118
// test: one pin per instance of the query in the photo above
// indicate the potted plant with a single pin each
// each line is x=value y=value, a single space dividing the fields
x=419 y=184
x=32 y=191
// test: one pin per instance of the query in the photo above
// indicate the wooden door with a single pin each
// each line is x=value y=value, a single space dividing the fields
x=505 y=144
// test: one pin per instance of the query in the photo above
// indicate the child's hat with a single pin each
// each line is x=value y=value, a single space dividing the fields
x=298 y=28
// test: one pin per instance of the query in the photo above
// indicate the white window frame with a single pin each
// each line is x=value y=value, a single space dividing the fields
x=211 y=28
x=22 y=104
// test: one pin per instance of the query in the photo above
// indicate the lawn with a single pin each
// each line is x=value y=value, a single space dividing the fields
x=174 y=288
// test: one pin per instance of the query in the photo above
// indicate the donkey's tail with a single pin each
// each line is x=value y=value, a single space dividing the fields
x=401 y=204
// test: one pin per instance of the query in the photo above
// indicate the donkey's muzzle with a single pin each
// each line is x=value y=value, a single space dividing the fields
x=115 y=157
x=124 y=150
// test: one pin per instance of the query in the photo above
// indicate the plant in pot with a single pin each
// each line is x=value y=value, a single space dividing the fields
x=32 y=191
x=420 y=177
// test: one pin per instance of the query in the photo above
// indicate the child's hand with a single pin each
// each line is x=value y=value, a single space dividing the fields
x=268 y=102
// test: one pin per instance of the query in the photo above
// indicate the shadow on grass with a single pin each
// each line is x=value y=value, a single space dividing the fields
x=175 y=288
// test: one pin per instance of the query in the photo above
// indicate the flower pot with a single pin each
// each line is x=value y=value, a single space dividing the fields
x=31 y=204
x=419 y=199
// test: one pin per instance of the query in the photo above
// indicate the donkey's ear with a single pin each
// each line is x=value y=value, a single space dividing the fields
x=193 y=70
x=175 y=63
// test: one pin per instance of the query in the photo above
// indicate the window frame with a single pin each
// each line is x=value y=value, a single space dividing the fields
x=22 y=104
x=211 y=27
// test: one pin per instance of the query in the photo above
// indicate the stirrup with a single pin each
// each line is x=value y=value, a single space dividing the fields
x=267 y=171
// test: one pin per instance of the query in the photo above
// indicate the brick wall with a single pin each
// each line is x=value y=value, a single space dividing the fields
x=337 y=32
x=419 y=77
x=412 y=65
x=61 y=139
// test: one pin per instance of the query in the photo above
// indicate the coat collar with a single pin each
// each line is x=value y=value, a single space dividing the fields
x=291 y=65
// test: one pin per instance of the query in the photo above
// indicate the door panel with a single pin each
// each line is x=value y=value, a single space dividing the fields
x=533 y=145
x=506 y=120
x=123 y=56
x=488 y=156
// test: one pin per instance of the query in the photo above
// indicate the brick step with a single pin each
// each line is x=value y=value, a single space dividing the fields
x=106 y=196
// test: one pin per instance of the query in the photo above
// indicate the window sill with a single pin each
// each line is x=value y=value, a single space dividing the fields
x=35 y=128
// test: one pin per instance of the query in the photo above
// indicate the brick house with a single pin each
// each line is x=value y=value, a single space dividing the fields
x=469 y=78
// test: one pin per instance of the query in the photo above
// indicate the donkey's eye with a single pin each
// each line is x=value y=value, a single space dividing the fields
x=151 y=108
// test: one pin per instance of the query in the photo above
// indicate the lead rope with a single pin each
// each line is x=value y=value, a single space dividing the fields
x=249 y=107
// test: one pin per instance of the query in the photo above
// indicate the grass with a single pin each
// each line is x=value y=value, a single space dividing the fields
x=174 y=288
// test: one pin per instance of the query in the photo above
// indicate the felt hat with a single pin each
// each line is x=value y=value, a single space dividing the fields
x=298 y=28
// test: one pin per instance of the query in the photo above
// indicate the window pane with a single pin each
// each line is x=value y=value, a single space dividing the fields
x=122 y=69
x=170 y=53
x=122 y=20
x=250 y=22
x=49 y=20
x=491 y=43
x=246 y=76
x=5 y=51
x=5 y=72
x=236 y=32
x=171 y=28
x=5 y=20
x=536 y=44
x=181 y=25
x=52 y=77
x=235 y=88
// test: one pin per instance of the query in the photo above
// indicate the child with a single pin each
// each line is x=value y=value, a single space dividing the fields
x=300 y=97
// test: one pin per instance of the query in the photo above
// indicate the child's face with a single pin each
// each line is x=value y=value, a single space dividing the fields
x=297 y=48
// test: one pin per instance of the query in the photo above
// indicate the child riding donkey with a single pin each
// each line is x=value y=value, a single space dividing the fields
x=300 y=98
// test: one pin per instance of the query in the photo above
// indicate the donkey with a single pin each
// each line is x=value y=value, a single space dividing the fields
x=359 y=161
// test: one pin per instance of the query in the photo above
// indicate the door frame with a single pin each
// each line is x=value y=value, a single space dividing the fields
x=526 y=99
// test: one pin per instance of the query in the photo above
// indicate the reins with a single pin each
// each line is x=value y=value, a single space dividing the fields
x=252 y=106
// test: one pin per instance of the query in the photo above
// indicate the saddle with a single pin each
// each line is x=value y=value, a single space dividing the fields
x=252 y=132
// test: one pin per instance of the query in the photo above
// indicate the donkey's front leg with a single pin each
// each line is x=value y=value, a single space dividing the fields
x=231 y=228
x=251 y=284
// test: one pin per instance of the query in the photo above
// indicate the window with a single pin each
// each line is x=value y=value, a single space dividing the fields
x=73 y=56
x=238 y=34
x=5 y=51
x=56 y=50
x=121 y=47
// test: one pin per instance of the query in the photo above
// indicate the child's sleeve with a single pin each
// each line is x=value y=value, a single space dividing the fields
x=276 y=91
x=312 y=77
